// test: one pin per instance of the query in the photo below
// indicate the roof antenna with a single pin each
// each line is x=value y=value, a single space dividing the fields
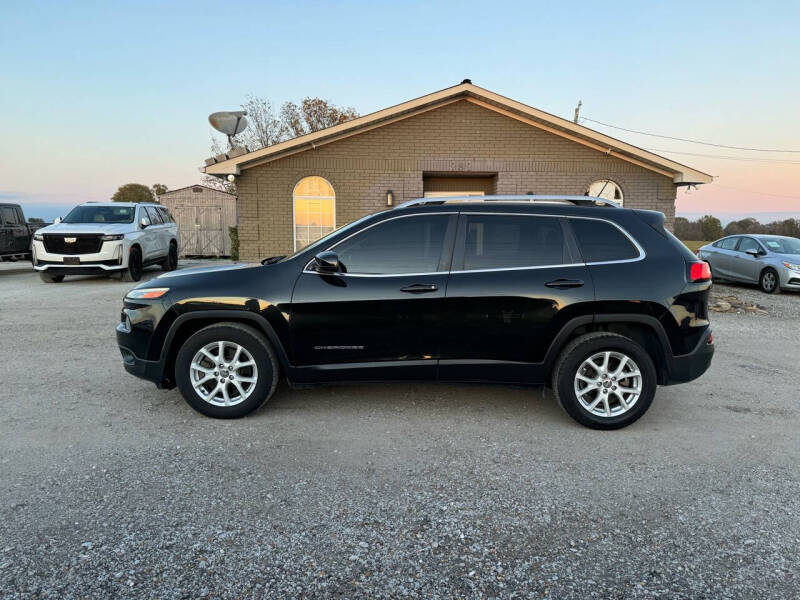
x=577 y=111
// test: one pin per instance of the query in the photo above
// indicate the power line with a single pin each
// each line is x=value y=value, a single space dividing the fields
x=759 y=193
x=742 y=158
x=669 y=137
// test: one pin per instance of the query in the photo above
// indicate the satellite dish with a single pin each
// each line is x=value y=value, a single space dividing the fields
x=230 y=123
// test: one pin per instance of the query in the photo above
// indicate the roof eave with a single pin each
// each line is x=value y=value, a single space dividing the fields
x=681 y=174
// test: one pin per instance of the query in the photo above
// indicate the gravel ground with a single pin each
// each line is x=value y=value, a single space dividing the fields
x=110 y=487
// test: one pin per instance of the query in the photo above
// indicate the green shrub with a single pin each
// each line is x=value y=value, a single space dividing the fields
x=233 y=232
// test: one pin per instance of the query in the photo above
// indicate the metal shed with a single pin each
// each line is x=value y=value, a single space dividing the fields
x=203 y=215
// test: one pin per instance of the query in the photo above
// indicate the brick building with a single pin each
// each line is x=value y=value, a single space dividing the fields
x=463 y=139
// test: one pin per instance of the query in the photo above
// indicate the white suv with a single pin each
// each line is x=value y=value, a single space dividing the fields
x=118 y=238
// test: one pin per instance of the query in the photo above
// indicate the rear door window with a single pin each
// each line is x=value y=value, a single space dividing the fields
x=511 y=241
x=405 y=245
x=600 y=241
x=727 y=243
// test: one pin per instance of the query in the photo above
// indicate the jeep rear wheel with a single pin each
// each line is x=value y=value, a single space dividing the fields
x=226 y=370
x=604 y=380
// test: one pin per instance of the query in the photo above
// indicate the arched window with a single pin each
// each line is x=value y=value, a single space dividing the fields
x=314 y=210
x=607 y=189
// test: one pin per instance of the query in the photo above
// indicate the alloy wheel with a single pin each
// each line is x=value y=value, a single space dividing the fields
x=608 y=384
x=223 y=373
x=768 y=281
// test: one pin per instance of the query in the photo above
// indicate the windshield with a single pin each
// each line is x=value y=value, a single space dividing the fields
x=782 y=245
x=100 y=214
x=321 y=241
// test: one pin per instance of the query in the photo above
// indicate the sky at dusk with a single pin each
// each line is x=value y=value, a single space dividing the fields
x=97 y=94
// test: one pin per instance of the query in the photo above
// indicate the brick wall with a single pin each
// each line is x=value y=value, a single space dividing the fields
x=457 y=138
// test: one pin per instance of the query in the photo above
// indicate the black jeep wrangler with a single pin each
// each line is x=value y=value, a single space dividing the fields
x=598 y=301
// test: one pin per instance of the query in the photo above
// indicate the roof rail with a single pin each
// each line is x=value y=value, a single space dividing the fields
x=538 y=199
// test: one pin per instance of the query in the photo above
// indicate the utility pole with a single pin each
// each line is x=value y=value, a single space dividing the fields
x=577 y=111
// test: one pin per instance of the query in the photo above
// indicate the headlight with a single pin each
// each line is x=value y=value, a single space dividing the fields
x=792 y=266
x=112 y=238
x=146 y=293
x=38 y=237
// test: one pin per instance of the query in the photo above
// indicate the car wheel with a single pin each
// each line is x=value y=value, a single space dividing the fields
x=226 y=370
x=604 y=380
x=49 y=278
x=171 y=262
x=134 y=270
x=769 y=282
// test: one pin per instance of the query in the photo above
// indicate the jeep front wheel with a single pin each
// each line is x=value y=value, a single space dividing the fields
x=604 y=380
x=226 y=370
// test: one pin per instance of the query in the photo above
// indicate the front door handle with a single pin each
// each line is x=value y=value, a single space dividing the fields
x=420 y=288
x=565 y=283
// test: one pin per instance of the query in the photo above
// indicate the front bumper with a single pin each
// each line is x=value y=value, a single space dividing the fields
x=111 y=257
x=151 y=370
x=688 y=367
x=789 y=278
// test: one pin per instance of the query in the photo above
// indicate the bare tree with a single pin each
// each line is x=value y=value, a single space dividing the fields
x=265 y=128
x=312 y=115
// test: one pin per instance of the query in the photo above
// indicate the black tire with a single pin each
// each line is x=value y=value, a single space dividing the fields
x=134 y=270
x=770 y=281
x=171 y=262
x=251 y=340
x=48 y=278
x=571 y=359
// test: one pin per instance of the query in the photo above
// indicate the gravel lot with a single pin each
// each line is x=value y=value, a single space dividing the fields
x=112 y=487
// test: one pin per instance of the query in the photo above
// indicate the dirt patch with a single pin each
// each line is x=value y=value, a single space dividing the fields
x=733 y=304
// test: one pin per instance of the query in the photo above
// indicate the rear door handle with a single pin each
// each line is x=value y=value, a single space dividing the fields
x=565 y=283
x=420 y=288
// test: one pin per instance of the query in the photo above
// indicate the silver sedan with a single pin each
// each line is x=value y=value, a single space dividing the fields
x=771 y=261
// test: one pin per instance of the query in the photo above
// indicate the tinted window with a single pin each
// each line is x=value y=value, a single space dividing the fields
x=155 y=217
x=727 y=243
x=500 y=241
x=601 y=241
x=165 y=216
x=100 y=214
x=405 y=245
x=9 y=215
x=749 y=245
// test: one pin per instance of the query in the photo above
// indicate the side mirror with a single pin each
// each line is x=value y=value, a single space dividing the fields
x=145 y=222
x=326 y=262
x=57 y=221
x=754 y=253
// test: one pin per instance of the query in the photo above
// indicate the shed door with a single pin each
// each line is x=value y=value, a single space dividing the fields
x=186 y=219
x=209 y=230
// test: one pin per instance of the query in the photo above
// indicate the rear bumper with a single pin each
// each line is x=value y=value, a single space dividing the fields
x=688 y=367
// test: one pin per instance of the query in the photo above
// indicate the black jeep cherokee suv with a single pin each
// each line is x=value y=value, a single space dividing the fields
x=601 y=302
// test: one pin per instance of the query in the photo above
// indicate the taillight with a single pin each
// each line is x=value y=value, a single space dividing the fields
x=699 y=271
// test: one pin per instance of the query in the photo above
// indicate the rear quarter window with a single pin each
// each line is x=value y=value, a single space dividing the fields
x=600 y=241
x=518 y=241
